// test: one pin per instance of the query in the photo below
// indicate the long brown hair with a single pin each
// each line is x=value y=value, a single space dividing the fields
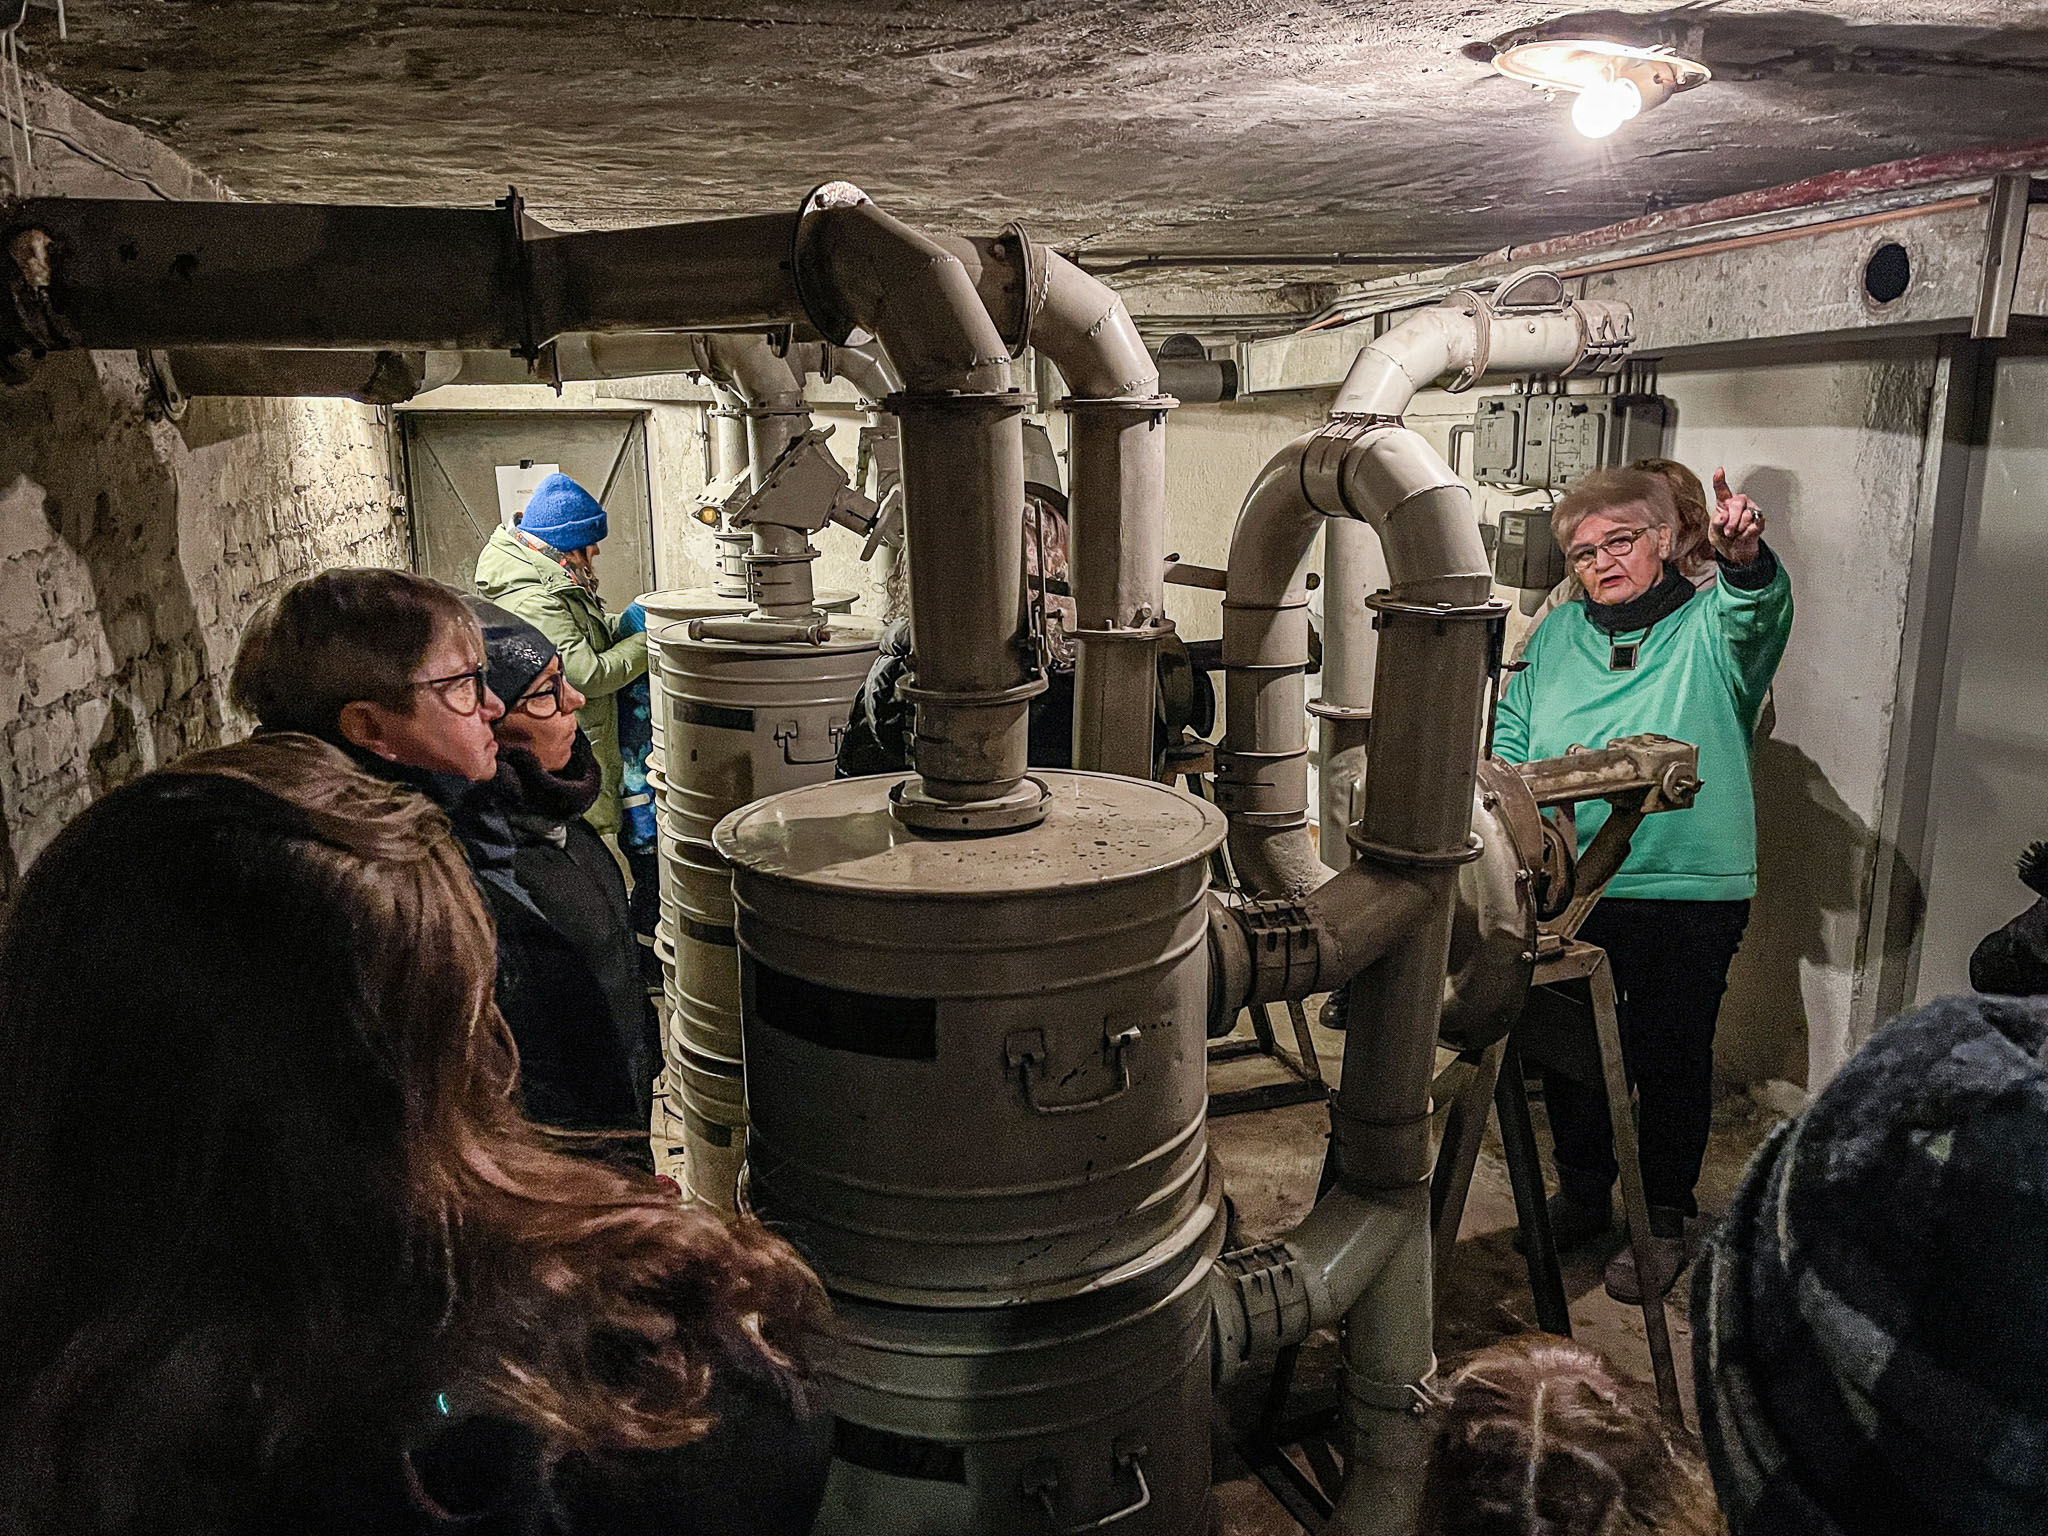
x=257 y=1089
x=1538 y=1439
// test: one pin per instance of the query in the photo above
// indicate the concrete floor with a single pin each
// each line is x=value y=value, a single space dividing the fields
x=1271 y=1160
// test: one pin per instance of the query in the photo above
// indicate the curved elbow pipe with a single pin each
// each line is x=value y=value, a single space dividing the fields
x=858 y=269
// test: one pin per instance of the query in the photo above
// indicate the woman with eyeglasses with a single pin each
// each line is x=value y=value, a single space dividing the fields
x=1644 y=650
x=392 y=668
x=548 y=777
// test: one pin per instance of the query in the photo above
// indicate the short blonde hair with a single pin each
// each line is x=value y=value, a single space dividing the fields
x=1615 y=493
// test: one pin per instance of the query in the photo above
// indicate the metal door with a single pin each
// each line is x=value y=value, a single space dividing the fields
x=452 y=459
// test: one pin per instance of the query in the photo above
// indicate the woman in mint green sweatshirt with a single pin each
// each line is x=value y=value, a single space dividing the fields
x=1643 y=650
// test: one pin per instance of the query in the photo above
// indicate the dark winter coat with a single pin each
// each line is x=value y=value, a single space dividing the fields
x=573 y=1071
x=571 y=876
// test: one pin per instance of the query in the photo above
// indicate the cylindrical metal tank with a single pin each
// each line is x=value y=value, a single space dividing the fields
x=977 y=1082
x=1017 y=1421
x=738 y=721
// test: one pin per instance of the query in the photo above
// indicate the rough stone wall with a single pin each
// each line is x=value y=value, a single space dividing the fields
x=132 y=549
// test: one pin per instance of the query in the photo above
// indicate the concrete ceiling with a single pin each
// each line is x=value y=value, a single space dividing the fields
x=1178 y=126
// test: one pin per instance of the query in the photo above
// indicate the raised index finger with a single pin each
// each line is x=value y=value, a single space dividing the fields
x=1721 y=491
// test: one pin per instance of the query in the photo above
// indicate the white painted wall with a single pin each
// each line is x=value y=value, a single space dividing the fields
x=1989 y=793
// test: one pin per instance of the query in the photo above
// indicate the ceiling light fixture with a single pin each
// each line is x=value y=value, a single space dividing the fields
x=1612 y=82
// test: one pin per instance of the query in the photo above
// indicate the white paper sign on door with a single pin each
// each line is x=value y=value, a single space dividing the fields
x=516 y=485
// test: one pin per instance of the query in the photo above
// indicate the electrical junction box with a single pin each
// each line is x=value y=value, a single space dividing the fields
x=1497 y=440
x=1525 y=553
x=1563 y=438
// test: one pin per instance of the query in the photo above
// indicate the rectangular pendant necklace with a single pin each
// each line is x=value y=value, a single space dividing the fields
x=1621 y=655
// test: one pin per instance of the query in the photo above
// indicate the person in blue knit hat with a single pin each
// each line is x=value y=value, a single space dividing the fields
x=540 y=569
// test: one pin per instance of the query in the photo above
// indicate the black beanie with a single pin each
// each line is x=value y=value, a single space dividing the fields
x=514 y=651
x=1870 y=1326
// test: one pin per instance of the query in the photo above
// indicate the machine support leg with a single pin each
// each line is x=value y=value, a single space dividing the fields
x=1452 y=1182
x=1634 y=1204
x=1525 y=1173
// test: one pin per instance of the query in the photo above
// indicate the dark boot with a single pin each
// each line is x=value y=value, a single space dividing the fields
x=1665 y=1254
x=1573 y=1223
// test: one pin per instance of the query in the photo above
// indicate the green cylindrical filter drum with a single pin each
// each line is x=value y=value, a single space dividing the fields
x=976 y=1066
x=714 y=1106
x=1016 y=1421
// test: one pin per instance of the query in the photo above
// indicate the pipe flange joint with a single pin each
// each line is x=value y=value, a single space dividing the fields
x=1417 y=858
x=1324 y=711
x=1272 y=1291
x=906 y=402
x=991 y=698
x=1037 y=280
x=1157 y=630
x=811 y=268
x=1392 y=606
x=1022 y=805
x=1135 y=405
x=1322 y=466
x=1466 y=302
x=1286 y=949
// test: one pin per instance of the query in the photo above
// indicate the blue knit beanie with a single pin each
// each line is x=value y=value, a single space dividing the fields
x=563 y=515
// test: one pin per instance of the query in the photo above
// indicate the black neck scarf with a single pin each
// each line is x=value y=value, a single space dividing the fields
x=1661 y=601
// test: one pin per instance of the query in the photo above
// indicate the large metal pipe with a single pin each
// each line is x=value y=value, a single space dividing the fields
x=1116 y=497
x=963 y=494
x=1438 y=630
x=1353 y=569
x=119 y=273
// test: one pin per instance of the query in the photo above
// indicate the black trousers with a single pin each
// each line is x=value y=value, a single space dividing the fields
x=1670 y=962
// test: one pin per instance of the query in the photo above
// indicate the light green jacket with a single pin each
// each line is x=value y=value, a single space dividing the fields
x=594 y=657
x=1700 y=676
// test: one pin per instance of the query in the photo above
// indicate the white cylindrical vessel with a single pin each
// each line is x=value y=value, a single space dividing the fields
x=738 y=721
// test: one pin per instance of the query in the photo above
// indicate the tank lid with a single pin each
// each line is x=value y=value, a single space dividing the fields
x=1099 y=828
x=675 y=603
x=842 y=635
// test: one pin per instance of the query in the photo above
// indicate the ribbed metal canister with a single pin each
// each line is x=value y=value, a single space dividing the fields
x=979 y=1063
x=1017 y=1421
x=739 y=721
x=977 y=1083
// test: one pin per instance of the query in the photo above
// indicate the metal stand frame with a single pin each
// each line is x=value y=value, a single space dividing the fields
x=1498 y=1075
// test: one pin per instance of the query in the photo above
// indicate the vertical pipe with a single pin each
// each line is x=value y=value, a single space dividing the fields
x=975 y=676
x=1118 y=561
x=1353 y=569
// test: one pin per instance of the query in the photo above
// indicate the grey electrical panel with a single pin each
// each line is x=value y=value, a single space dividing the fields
x=1551 y=442
x=1497 y=440
x=1525 y=553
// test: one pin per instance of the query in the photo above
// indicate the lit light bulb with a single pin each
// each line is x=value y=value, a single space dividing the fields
x=1603 y=108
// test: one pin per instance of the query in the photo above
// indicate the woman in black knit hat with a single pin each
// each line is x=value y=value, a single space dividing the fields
x=1870 y=1327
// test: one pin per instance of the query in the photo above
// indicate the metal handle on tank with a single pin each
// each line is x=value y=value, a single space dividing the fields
x=1026 y=1049
x=789 y=732
x=1043 y=1479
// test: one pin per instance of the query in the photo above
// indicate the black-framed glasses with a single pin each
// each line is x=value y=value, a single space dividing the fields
x=1617 y=544
x=544 y=699
x=462 y=692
